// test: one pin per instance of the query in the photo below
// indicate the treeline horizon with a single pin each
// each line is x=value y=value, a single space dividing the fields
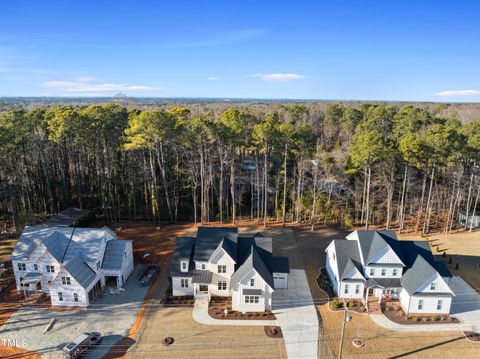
x=391 y=166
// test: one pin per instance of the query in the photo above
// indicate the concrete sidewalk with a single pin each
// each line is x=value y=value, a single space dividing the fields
x=386 y=323
x=200 y=315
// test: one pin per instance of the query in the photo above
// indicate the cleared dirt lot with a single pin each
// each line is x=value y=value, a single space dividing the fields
x=193 y=340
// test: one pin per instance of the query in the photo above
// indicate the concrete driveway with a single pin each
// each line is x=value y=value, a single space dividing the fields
x=297 y=316
x=465 y=304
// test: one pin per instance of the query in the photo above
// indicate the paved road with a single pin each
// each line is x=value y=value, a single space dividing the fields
x=297 y=316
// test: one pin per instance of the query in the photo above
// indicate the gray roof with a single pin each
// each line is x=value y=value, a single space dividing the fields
x=347 y=256
x=202 y=276
x=208 y=239
x=254 y=261
x=114 y=253
x=85 y=242
x=183 y=251
x=383 y=282
x=81 y=272
x=417 y=275
x=373 y=242
x=280 y=265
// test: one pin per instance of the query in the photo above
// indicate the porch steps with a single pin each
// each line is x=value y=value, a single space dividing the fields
x=374 y=307
x=201 y=302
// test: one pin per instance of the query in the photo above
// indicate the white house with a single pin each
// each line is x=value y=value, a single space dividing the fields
x=71 y=265
x=219 y=262
x=374 y=265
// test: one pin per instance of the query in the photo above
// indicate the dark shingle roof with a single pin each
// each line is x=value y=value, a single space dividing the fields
x=280 y=265
x=183 y=251
x=208 y=239
x=254 y=261
x=347 y=256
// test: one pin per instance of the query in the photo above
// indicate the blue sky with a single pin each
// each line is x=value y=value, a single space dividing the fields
x=354 y=50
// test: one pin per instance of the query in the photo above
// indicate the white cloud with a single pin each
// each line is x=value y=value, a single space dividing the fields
x=279 y=77
x=87 y=86
x=458 y=93
x=213 y=78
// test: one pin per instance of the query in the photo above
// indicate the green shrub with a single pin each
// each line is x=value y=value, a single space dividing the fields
x=335 y=303
x=415 y=319
x=434 y=318
x=351 y=304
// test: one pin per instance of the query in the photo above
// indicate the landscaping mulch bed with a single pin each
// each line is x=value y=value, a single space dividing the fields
x=355 y=306
x=273 y=331
x=398 y=316
x=324 y=283
x=218 y=313
x=217 y=307
x=183 y=301
x=472 y=336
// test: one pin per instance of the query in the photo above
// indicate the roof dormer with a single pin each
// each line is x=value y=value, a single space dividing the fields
x=184 y=266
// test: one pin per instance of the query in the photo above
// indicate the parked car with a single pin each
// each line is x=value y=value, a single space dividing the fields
x=148 y=274
x=81 y=344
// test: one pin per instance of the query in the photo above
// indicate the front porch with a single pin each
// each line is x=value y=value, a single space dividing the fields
x=377 y=294
x=201 y=281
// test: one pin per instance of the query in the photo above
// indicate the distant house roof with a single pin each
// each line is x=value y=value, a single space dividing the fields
x=81 y=272
x=69 y=217
x=114 y=254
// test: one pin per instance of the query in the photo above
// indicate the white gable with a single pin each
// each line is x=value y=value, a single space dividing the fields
x=440 y=285
x=387 y=256
x=354 y=274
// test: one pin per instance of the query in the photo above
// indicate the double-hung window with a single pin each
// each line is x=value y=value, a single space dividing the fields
x=384 y=272
x=357 y=288
x=420 y=304
x=251 y=299
x=66 y=281
x=372 y=271
x=50 y=269
x=252 y=282
x=439 y=304
x=22 y=266
x=395 y=272
x=60 y=296
x=346 y=289
x=35 y=267
x=433 y=285
x=222 y=285
x=75 y=297
x=184 y=283
x=222 y=268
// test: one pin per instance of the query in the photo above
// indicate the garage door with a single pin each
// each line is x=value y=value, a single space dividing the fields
x=279 y=281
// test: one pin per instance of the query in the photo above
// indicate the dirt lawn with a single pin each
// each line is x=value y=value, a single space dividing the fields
x=193 y=340
x=383 y=343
